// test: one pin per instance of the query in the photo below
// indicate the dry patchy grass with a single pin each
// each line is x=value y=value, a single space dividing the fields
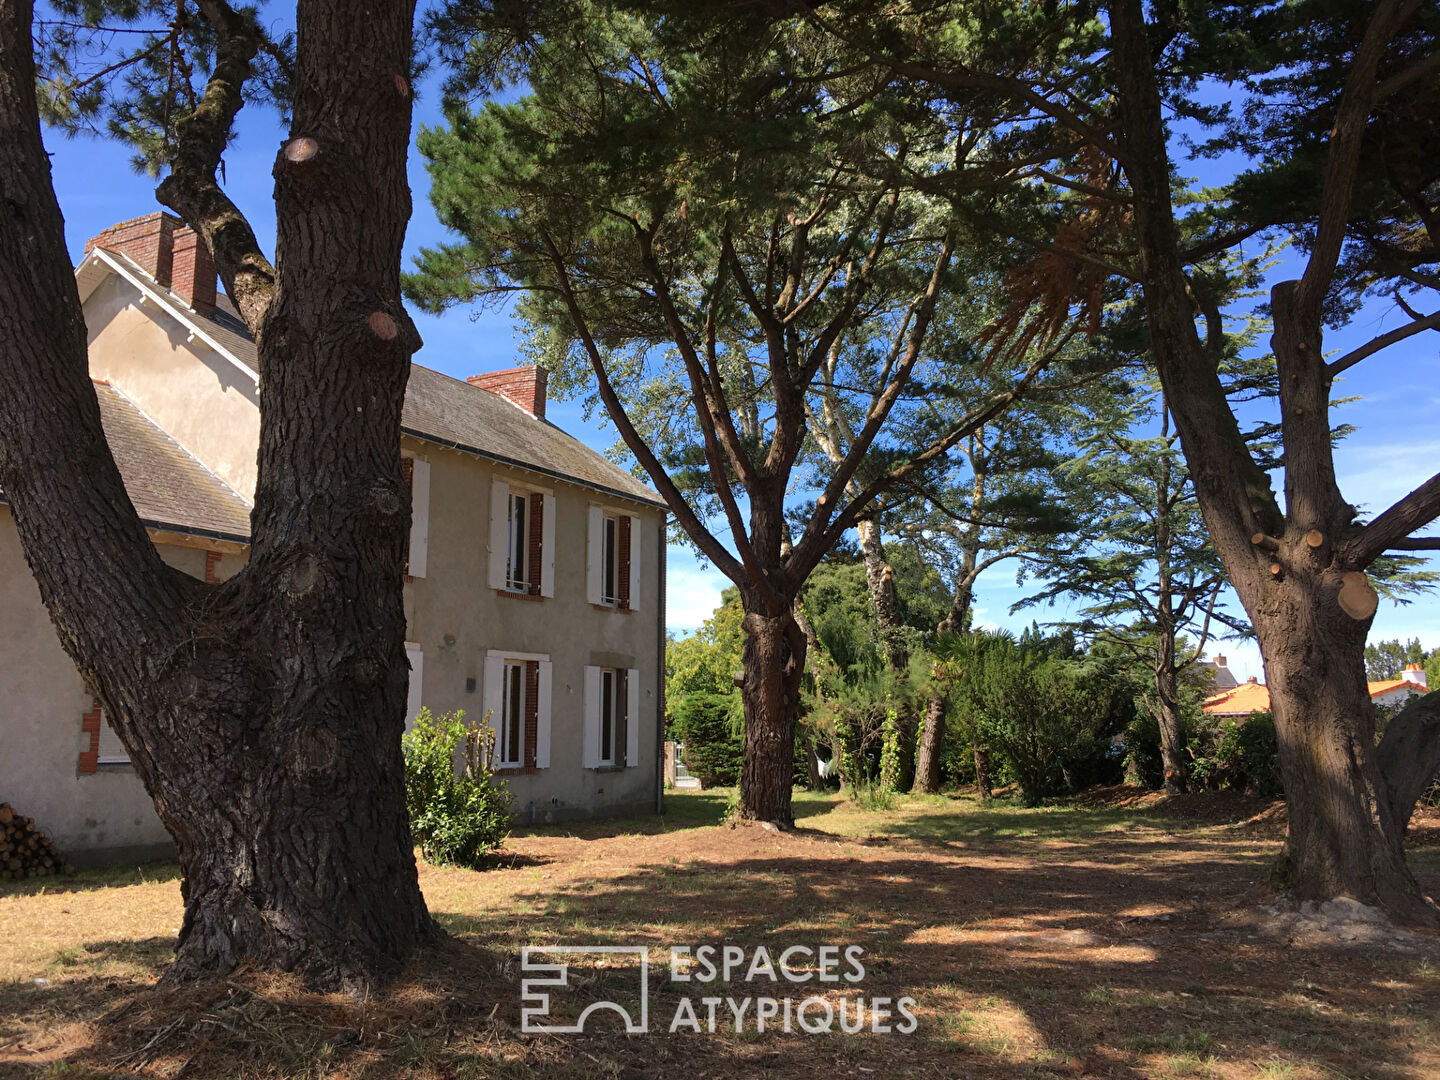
x=1090 y=939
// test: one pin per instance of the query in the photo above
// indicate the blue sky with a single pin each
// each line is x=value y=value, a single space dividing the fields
x=1396 y=447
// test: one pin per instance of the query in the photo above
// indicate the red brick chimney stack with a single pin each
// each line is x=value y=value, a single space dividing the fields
x=172 y=253
x=525 y=386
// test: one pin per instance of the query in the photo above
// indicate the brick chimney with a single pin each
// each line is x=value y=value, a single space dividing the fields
x=525 y=386
x=171 y=253
x=1220 y=661
x=1415 y=674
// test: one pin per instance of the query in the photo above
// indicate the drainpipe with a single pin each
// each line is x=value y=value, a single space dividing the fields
x=660 y=676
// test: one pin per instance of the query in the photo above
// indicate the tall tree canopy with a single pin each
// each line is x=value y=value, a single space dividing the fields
x=729 y=233
x=263 y=714
x=1338 y=122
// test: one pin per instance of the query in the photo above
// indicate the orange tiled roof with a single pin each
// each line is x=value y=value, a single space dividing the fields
x=1252 y=697
x=1378 y=688
x=1247 y=698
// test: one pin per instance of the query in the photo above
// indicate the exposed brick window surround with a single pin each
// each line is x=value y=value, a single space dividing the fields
x=90 y=724
x=212 y=564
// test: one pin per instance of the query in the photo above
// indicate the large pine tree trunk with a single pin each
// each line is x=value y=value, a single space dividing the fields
x=1292 y=568
x=931 y=747
x=774 y=662
x=1345 y=838
x=881 y=581
x=1167 y=714
x=264 y=714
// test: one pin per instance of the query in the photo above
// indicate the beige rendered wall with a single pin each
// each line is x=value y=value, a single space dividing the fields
x=104 y=816
x=456 y=618
x=205 y=402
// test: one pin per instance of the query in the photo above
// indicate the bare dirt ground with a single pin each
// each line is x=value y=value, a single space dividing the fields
x=1112 y=937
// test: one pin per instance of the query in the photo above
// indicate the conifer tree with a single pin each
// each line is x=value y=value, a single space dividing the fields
x=263 y=714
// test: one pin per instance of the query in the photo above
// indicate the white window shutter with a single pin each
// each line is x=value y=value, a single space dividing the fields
x=636 y=578
x=419 y=515
x=499 y=539
x=493 y=696
x=590 y=741
x=542 y=717
x=413 y=697
x=632 y=716
x=547 y=547
x=112 y=750
x=595 y=569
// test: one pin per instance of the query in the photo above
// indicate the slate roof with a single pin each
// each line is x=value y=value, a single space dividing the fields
x=454 y=413
x=169 y=487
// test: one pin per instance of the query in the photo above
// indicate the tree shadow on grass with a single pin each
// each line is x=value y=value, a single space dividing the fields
x=87 y=880
x=1018 y=966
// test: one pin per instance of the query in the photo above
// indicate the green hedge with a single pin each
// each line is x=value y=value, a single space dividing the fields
x=711 y=727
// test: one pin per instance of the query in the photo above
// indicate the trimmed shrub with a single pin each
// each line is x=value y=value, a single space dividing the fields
x=1240 y=756
x=457 y=815
x=711 y=727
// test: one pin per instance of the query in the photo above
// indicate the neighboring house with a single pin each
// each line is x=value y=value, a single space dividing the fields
x=534 y=587
x=1217 y=673
x=1252 y=697
x=1392 y=692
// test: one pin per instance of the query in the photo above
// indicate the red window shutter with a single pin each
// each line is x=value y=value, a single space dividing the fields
x=622 y=572
x=407 y=467
x=536 y=542
x=532 y=710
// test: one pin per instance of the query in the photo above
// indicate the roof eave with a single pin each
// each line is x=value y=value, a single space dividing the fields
x=539 y=470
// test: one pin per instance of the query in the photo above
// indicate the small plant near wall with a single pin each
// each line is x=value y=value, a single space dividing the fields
x=459 y=810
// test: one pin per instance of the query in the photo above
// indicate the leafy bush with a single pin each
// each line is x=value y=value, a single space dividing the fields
x=1239 y=755
x=1044 y=718
x=874 y=795
x=457 y=816
x=711 y=727
x=1144 y=764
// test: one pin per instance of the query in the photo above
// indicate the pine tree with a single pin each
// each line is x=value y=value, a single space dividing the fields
x=264 y=714
x=701 y=234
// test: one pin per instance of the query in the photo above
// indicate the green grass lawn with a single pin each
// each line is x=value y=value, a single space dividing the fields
x=1096 y=938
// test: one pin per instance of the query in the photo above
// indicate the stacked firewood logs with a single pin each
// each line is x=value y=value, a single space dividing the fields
x=24 y=850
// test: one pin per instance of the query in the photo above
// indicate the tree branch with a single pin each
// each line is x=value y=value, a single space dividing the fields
x=704 y=539
x=1393 y=528
x=191 y=189
x=1342 y=159
x=1384 y=341
x=1416 y=543
x=1409 y=753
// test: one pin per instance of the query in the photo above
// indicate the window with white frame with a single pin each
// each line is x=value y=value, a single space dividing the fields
x=511 y=729
x=517 y=707
x=522 y=540
x=612 y=718
x=111 y=751
x=517 y=542
x=613 y=573
x=610 y=565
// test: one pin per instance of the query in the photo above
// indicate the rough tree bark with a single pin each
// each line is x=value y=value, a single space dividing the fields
x=881 y=581
x=931 y=745
x=1167 y=685
x=263 y=714
x=1298 y=572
